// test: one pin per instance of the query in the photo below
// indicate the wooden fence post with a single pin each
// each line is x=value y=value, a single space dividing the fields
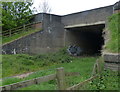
x=61 y=78
x=98 y=66
x=10 y=33
x=94 y=70
x=24 y=27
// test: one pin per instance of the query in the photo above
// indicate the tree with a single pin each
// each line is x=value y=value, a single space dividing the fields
x=15 y=14
x=0 y=15
x=44 y=7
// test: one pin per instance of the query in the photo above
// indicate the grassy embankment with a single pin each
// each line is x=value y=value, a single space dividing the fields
x=18 y=35
x=22 y=63
x=18 y=64
x=83 y=66
x=113 y=45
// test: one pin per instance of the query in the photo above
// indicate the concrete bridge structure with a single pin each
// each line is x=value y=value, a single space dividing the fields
x=83 y=29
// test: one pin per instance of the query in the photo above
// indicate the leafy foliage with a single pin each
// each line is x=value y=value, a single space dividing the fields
x=108 y=80
x=15 y=14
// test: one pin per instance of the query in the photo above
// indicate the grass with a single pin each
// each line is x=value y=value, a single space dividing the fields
x=18 y=64
x=113 y=45
x=82 y=65
x=108 y=80
x=17 y=36
x=47 y=64
x=23 y=63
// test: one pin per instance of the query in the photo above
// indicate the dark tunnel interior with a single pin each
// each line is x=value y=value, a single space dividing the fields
x=88 y=38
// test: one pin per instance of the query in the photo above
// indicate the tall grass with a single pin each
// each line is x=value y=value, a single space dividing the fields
x=113 y=45
x=22 y=63
x=82 y=65
x=47 y=64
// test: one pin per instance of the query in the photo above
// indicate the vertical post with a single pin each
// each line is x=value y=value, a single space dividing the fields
x=98 y=66
x=94 y=70
x=10 y=32
x=61 y=78
x=65 y=36
x=24 y=27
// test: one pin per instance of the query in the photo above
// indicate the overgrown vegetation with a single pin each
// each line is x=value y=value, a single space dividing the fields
x=22 y=63
x=82 y=65
x=113 y=45
x=108 y=80
x=47 y=64
x=18 y=35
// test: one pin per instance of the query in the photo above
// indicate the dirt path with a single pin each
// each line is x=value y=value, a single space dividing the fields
x=23 y=75
x=18 y=76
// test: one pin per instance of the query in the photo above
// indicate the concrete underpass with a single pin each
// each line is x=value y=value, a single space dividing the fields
x=89 y=38
x=82 y=28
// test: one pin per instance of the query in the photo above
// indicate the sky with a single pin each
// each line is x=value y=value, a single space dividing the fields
x=64 y=7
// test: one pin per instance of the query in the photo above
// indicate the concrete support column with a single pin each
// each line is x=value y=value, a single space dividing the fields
x=65 y=37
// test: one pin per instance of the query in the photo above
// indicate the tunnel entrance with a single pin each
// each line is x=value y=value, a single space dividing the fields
x=88 y=38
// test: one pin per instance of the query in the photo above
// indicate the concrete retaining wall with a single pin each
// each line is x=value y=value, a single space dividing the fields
x=48 y=40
